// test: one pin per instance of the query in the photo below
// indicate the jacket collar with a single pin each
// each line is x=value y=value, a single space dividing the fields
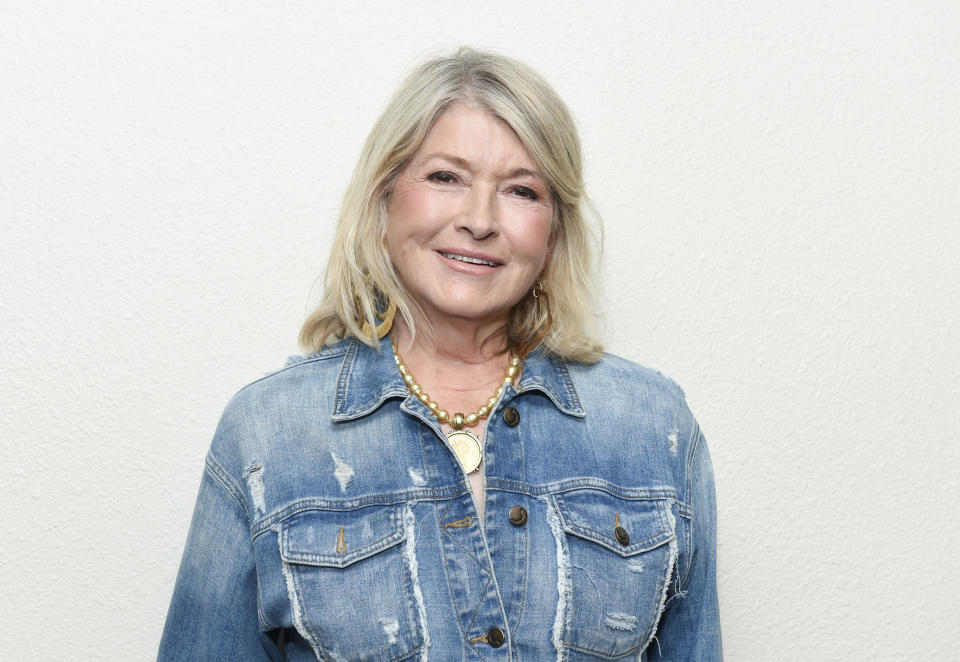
x=369 y=378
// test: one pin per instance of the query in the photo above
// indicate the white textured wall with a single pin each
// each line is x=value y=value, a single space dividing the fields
x=781 y=188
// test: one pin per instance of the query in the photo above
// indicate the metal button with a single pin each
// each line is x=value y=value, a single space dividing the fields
x=518 y=515
x=622 y=536
x=495 y=637
x=511 y=417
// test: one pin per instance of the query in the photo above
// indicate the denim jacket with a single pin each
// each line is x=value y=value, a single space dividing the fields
x=332 y=510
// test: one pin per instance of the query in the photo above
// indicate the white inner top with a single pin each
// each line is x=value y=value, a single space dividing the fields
x=476 y=477
x=476 y=481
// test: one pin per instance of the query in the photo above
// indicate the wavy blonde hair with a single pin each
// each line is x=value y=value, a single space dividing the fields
x=360 y=277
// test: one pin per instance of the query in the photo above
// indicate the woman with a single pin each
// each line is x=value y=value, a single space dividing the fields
x=456 y=472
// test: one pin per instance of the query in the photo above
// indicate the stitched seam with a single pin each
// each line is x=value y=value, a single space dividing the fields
x=473 y=618
x=537 y=385
x=385 y=541
x=608 y=656
x=671 y=565
x=493 y=578
x=370 y=407
x=632 y=494
x=525 y=573
x=562 y=615
x=525 y=541
x=344 y=376
x=605 y=540
x=467 y=552
x=688 y=548
x=481 y=639
x=313 y=358
x=590 y=534
x=568 y=380
x=218 y=473
x=580 y=483
x=450 y=502
x=478 y=652
x=694 y=446
x=408 y=654
x=373 y=548
x=584 y=531
x=308 y=632
x=264 y=623
x=450 y=584
x=353 y=504
x=483 y=597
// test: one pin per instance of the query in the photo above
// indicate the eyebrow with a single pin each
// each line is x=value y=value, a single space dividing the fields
x=466 y=165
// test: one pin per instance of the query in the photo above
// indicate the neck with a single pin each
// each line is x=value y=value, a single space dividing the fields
x=452 y=367
x=455 y=341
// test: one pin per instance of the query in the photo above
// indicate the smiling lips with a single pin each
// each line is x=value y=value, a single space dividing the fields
x=469 y=259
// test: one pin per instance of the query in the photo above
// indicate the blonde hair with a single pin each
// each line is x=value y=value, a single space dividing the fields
x=360 y=277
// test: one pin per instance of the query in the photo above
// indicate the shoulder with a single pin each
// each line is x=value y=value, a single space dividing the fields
x=619 y=395
x=300 y=374
x=296 y=369
x=623 y=380
x=248 y=425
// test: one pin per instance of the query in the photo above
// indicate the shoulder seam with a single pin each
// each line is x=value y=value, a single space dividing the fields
x=219 y=474
x=651 y=373
x=312 y=358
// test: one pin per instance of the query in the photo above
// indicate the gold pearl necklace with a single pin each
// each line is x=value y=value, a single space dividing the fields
x=464 y=443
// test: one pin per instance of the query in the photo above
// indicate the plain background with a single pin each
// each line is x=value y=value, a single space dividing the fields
x=780 y=183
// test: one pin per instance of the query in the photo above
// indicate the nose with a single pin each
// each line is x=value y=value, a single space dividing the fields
x=478 y=217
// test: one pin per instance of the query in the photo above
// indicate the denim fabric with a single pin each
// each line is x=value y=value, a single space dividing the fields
x=332 y=510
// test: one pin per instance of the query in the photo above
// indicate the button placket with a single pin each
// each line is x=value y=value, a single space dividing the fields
x=502 y=453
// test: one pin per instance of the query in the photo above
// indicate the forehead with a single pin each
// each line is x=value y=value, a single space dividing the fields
x=476 y=135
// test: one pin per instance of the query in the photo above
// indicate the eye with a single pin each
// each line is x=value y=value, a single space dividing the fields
x=443 y=177
x=524 y=192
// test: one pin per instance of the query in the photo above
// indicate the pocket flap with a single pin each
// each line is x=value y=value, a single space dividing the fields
x=595 y=515
x=337 y=538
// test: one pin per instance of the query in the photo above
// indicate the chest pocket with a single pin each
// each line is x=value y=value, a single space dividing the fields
x=351 y=583
x=621 y=556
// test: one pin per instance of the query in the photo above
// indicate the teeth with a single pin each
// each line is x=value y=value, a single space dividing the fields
x=471 y=260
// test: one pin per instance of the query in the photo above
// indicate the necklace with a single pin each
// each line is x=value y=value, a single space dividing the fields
x=464 y=443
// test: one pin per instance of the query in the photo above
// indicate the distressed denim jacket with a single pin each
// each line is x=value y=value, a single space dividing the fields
x=332 y=510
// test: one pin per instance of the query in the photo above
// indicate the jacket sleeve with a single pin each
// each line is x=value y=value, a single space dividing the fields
x=690 y=626
x=213 y=612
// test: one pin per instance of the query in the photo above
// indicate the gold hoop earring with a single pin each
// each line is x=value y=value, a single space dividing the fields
x=540 y=298
x=386 y=320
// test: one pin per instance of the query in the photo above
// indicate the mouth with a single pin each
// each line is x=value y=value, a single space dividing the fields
x=469 y=260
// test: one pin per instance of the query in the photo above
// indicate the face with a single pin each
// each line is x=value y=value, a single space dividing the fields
x=469 y=219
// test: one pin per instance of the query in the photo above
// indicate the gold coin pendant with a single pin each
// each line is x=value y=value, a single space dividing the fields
x=467 y=448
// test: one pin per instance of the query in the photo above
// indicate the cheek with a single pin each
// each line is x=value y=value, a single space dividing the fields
x=534 y=239
x=414 y=209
